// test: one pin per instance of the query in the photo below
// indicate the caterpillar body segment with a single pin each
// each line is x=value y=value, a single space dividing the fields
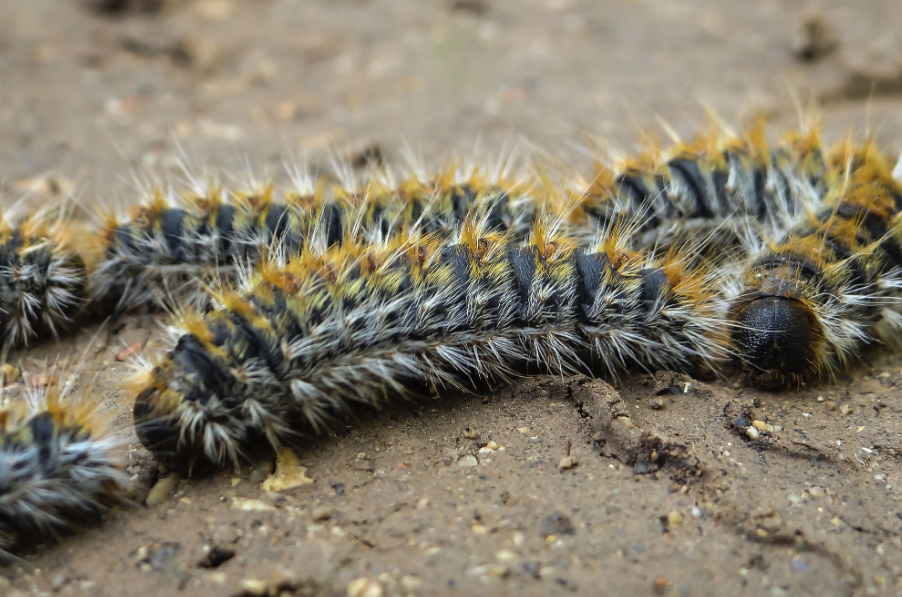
x=808 y=305
x=727 y=183
x=503 y=194
x=177 y=245
x=359 y=324
x=43 y=276
x=170 y=246
x=59 y=466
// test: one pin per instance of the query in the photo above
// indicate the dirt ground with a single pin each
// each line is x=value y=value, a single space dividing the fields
x=573 y=495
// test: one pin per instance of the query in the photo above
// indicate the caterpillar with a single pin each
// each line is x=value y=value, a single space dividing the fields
x=308 y=338
x=805 y=306
x=173 y=244
x=722 y=188
x=354 y=293
x=58 y=464
x=43 y=275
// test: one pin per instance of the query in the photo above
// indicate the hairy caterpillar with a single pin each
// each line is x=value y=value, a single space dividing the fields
x=805 y=306
x=720 y=187
x=359 y=323
x=390 y=285
x=175 y=243
x=43 y=276
x=57 y=464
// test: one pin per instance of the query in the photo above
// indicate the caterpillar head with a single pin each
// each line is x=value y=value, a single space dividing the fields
x=775 y=341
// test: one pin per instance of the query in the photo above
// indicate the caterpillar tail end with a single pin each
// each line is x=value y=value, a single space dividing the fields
x=182 y=431
x=156 y=429
x=158 y=413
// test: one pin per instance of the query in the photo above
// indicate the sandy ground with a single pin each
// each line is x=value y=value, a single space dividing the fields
x=675 y=499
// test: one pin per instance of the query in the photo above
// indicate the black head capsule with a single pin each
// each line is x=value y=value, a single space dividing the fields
x=775 y=340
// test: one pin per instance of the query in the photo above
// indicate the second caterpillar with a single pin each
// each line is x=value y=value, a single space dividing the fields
x=308 y=339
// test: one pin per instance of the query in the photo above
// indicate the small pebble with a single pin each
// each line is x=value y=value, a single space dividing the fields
x=321 y=514
x=546 y=571
x=160 y=492
x=845 y=409
x=10 y=374
x=816 y=491
x=467 y=460
x=365 y=587
x=216 y=577
x=490 y=447
x=753 y=433
x=831 y=405
x=254 y=586
x=674 y=519
x=567 y=462
x=660 y=584
x=489 y=571
x=251 y=505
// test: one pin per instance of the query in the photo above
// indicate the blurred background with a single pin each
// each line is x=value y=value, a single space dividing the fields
x=91 y=88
